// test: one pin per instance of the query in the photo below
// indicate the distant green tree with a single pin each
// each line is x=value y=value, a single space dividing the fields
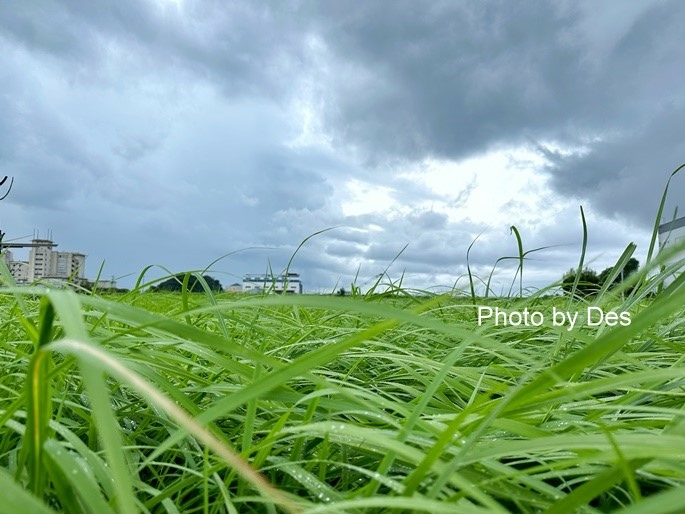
x=588 y=283
x=631 y=267
x=604 y=275
x=175 y=283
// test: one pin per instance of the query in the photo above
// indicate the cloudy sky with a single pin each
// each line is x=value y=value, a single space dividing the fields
x=174 y=132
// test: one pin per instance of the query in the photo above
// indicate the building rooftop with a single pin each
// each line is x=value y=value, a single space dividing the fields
x=672 y=225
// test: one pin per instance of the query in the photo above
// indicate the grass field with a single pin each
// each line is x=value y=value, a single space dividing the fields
x=198 y=403
x=375 y=403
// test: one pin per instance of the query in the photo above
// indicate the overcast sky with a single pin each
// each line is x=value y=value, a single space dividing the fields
x=173 y=132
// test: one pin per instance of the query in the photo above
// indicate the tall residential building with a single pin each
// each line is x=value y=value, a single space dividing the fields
x=39 y=260
x=46 y=263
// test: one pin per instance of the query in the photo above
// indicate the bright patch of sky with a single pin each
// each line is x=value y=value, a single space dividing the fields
x=363 y=198
x=498 y=187
x=501 y=186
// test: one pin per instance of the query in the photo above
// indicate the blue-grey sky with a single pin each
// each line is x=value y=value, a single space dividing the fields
x=172 y=132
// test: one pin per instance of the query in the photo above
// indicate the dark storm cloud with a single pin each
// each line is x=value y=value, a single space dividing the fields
x=409 y=79
x=240 y=45
x=626 y=174
x=450 y=79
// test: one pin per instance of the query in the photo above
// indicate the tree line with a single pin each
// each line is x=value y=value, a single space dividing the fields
x=175 y=283
x=590 y=282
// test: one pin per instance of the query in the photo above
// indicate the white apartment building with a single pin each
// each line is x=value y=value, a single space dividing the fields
x=18 y=269
x=46 y=263
x=672 y=234
x=289 y=283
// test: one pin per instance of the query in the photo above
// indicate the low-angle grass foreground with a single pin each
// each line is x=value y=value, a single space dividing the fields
x=392 y=402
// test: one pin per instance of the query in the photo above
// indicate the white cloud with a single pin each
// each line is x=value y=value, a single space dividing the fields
x=364 y=198
x=499 y=187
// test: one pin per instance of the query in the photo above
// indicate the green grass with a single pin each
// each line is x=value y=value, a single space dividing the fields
x=200 y=403
x=376 y=403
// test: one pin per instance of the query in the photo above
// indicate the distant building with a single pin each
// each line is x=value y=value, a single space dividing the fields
x=289 y=283
x=235 y=288
x=46 y=264
x=18 y=269
x=105 y=284
x=672 y=234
